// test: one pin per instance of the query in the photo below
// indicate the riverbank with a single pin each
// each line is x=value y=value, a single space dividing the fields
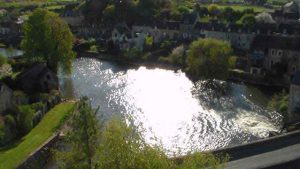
x=233 y=76
x=17 y=154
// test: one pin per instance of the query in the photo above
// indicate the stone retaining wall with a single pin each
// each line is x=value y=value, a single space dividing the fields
x=38 y=159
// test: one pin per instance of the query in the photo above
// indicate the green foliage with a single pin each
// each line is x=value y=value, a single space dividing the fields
x=15 y=154
x=38 y=105
x=118 y=145
x=201 y=160
x=176 y=56
x=2 y=131
x=25 y=118
x=248 y=20
x=82 y=137
x=209 y=59
x=280 y=103
x=232 y=61
x=149 y=41
x=3 y=60
x=48 y=38
x=10 y=121
x=213 y=9
x=132 y=53
x=165 y=44
x=121 y=146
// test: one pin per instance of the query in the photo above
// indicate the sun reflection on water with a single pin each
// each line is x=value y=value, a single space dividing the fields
x=169 y=106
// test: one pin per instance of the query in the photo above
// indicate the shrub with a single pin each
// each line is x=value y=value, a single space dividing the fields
x=37 y=106
x=3 y=60
x=280 y=103
x=25 y=118
x=132 y=53
x=2 y=131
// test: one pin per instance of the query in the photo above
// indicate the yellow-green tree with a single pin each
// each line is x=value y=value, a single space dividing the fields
x=48 y=38
x=209 y=59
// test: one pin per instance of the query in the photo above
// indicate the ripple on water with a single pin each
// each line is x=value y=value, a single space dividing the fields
x=182 y=115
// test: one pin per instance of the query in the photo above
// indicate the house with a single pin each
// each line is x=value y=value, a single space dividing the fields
x=288 y=12
x=294 y=99
x=169 y=30
x=6 y=97
x=239 y=37
x=73 y=18
x=38 y=78
x=122 y=36
x=276 y=50
x=188 y=24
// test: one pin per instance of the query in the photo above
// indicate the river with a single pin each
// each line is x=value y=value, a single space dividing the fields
x=179 y=113
x=9 y=52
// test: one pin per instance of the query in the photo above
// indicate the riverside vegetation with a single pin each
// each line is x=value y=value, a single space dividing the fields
x=118 y=144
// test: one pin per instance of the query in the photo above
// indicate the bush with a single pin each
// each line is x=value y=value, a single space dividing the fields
x=280 y=103
x=3 y=60
x=38 y=105
x=122 y=147
x=132 y=53
x=25 y=118
x=2 y=131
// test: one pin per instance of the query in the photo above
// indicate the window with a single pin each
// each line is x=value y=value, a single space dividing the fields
x=279 y=53
x=273 y=52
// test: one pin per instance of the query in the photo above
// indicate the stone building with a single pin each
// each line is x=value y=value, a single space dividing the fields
x=294 y=99
x=277 y=50
x=38 y=78
x=6 y=97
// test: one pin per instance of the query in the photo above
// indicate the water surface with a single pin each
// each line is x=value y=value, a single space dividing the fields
x=181 y=114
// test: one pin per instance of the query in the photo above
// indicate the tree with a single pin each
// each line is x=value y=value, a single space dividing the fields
x=177 y=55
x=228 y=13
x=264 y=17
x=213 y=9
x=82 y=138
x=48 y=38
x=123 y=147
x=209 y=59
x=280 y=103
x=248 y=20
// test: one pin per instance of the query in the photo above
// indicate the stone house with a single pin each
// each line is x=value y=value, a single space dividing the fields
x=169 y=30
x=294 y=99
x=38 y=78
x=122 y=36
x=73 y=18
x=276 y=50
x=6 y=97
x=237 y=36
x=188 y=24
x=289 y=12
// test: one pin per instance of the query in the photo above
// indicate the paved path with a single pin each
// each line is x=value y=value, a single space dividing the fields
x=288 y=157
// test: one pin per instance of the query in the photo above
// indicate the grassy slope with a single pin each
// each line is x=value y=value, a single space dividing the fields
x=243 y=7
x=13 y=156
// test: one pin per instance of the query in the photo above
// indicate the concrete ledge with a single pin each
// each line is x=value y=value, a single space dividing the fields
x=260 y=146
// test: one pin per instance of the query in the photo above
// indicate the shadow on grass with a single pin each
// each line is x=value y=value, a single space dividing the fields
x=11 y=145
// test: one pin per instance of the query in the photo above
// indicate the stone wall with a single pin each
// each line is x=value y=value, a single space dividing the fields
x=6 y=95
x=39 y=158
x=294 y=103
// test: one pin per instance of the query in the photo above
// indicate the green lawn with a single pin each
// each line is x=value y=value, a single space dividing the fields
x=13 y=156
x=243 y=7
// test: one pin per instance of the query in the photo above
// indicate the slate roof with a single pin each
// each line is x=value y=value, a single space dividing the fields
x=189 y=18
x=277 y=42
x=296 y=79
x=33 y=73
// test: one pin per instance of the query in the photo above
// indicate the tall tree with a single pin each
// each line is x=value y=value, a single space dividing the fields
x=48 y=38
x=209 y=59
x=82 y=138
x=248 y=20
